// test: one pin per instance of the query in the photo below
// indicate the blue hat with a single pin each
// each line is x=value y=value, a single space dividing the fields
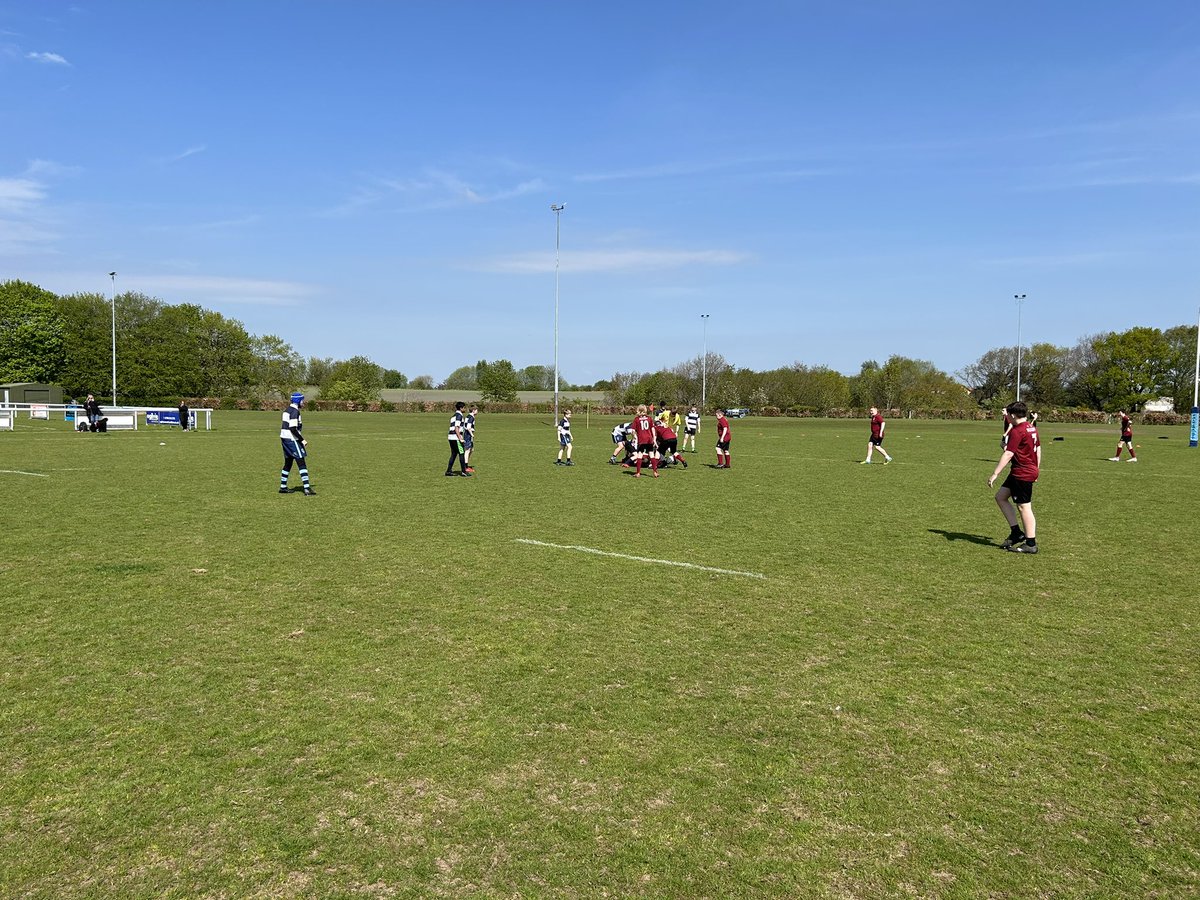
x=297 y=397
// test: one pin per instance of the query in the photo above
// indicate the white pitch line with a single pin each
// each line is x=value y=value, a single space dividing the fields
x=16 y=472
x=645 y=559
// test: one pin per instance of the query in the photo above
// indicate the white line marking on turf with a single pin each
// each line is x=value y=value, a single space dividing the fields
x=645 y=559
x=16 y=472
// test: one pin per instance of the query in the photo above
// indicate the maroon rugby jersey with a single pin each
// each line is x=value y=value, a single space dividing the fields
x=666 y=432
x=643 y=430
x=722 y=428
x=876 y=425
x=1126 y=426
x=1023 y=443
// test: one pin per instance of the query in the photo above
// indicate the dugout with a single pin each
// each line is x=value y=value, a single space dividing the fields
x=31 y=392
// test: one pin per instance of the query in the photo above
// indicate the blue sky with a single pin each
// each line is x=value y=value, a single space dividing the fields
x=831 y=182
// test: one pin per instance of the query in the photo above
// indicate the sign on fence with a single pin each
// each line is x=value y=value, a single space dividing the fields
x=168 y=417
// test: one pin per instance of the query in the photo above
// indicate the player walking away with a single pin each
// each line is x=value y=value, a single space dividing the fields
x=184 y=415
x=643 y=436
x=668 y=442
x=457 y=436
x=294 y=446
x=1126 y=439
x=691 y=428
x=469 y=437
x=1024 y=451
x=723 y=438
x=564 y=440
x=876 y=441
x=622 y=440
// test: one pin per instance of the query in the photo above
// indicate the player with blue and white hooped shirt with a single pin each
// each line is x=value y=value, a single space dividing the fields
x=691 y=428
x=564 y=440
x=294 y=446
x=456 y=436
x=469 y=436
x=622 y=438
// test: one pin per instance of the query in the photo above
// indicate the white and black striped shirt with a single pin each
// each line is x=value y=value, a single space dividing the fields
x=693 y=422
x=456 y=426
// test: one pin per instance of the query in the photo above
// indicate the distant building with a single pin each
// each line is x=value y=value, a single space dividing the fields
x=30 y=392
x=1162 y=404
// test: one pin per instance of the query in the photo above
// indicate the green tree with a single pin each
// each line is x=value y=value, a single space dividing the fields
x=1133 y=366
x=464 y=378
x=317 y=369
x=422 y=383
x=497 y=381
x=356 y=378
x=1181 y=365
x=277 y=368
x=87 y=332
x=32 y=333
x=394 y=379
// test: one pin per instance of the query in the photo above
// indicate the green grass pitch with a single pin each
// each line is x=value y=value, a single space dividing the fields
x=209 y=689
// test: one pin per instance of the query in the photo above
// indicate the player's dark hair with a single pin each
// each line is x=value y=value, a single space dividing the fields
x=459 y=405
x=1018 y=409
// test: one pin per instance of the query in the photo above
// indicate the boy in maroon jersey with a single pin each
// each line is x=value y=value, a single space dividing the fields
x=723 y=437
x=668 y=443
x=1024 y=451
x=1126 y=439
x=876 y=441
x=643 y=438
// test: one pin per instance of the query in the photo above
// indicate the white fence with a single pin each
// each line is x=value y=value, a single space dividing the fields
x=120 y=418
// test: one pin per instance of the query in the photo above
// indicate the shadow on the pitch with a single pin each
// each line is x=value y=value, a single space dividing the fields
x=961 y=536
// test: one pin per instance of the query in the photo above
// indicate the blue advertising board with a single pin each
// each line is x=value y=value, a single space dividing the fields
x=168 y=417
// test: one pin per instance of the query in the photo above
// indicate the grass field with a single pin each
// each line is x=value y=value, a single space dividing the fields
x=209 y=689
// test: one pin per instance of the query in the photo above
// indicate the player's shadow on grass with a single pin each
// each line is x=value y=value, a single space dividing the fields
x=962 y=536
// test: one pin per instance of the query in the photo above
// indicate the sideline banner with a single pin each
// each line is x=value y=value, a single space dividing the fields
x=168 y=417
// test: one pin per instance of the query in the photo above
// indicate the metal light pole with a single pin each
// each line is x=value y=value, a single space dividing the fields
x=704 y=365
x=113 y=276
x=1020 y=298
x=557 y=210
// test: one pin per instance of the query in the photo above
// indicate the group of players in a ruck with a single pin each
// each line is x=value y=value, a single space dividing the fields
x=652 y=440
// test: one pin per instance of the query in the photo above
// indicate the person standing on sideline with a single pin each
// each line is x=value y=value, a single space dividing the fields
x=643 y=438
x=94 y=414
x=876 y=441
x=456 y=436
x=1024 y=451
x=691 y=428
x=294 y=446
x=723 y=438
x=469 y=437
x=184 y=412
x=1125 y=440
x=564 y=440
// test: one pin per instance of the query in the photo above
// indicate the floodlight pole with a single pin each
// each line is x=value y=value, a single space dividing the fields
x=1020 y=298
x=557 y=209
x=704 y=364
x=1195 y=435
x=113 y=276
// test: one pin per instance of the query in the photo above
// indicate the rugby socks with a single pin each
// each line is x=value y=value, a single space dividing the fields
x=304 y=478
x=728 y=460
x=283 y=479
x=1119 y=449
x=1015 y=534
x=1030 y=542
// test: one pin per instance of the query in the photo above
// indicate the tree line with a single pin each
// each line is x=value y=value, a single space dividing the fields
x=1107 y=372
x=166 y=352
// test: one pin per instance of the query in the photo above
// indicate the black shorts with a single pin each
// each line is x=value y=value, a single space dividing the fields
x=670 y=447
x=691 y=431
x=723 y=445
x=1022 y=491
x=645 y=448
x=877 y=440
x=1126 y=438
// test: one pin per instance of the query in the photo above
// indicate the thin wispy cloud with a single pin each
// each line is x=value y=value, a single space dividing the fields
x=433 y=189
x=190 y=151
x=216 y=289
x=49 y=58
x=626 y=260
